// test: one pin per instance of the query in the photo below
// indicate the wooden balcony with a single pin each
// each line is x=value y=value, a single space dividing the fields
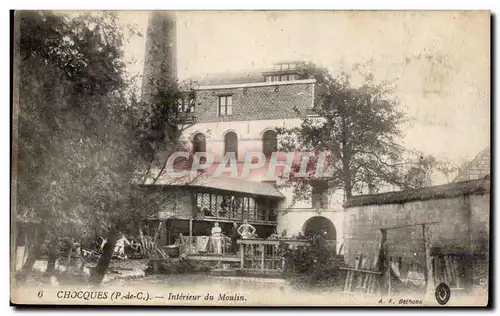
x=207 y=248
x=252 y=255
x=262 y=255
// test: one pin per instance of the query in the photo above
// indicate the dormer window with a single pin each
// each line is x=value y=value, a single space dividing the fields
x=186 y=105
x=284 y=72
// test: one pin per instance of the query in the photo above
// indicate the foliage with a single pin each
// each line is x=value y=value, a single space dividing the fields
x=420 y=170
x=450 y=169
x=313 y=265
x=163 y=123
x=82 y=134
x=359 y=130
x=74 y=117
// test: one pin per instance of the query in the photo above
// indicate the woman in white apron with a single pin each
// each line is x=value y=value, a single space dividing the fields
x=217 y=239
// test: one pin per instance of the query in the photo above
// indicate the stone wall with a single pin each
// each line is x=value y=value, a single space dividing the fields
x=449 y=229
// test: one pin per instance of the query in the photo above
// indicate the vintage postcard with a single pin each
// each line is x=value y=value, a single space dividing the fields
x=251 y=158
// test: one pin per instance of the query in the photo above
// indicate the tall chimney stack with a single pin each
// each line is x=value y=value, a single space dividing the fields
x=160 y=63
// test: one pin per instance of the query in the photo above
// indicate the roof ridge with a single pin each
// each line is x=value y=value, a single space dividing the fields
x=463 y=172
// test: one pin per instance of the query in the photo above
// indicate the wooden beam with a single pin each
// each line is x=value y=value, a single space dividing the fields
x=268 y=206
x=468 y=263
x=383 y=263
x=361 y=270
x=214 y=258
x=429 y=272
x=168 y=225
x=242 y=255
x=263 y=250
x=157 y=233
x=230 y=220
x=408 y=225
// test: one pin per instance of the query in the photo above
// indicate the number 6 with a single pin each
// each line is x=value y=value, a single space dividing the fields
x=40 y=294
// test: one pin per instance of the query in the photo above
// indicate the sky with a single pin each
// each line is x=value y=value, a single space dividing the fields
x=439 y=62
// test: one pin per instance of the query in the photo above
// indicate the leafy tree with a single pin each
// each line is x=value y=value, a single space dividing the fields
x=84 y=142
x=359 y=129
x=421 y=169
x=67 y=67
x=418 y=173
x=357 y=126
x=451 y=169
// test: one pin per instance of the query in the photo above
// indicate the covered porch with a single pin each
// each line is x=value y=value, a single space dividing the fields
x=196 y=207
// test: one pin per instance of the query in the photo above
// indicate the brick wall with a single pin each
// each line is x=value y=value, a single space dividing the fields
x=272 y=101
x=160 y=55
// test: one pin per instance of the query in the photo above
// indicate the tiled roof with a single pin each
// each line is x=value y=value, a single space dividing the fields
x=238 y=185
x=229 y=78
x=223 y=183
x=478 y=168
x=454 y=189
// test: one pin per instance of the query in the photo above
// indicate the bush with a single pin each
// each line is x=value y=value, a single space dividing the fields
x=311 y=266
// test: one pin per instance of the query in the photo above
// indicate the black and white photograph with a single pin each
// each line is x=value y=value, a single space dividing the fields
x=250 y=158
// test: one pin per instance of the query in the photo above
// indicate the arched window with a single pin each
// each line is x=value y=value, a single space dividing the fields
x=269 y=142
x=199 y=143
x=320 y=194
x=231 y=143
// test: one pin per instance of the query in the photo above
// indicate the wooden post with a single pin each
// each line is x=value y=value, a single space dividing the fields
x=429 y=273
x=168 y=225
x=383 y=264
x=262 y=261
x=468 y=259
x=144 y=250
x=157 y=233
x=242 y=255
x=191 y=243
x=26 y=241
x=268 y=206
x=70 y=252
x=273 y=264
x=389 y=280
x=162 y=235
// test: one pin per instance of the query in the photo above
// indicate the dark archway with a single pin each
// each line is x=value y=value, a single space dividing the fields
x=320 y=224
x=199 y=143
x=269 y=142
x=231 y=143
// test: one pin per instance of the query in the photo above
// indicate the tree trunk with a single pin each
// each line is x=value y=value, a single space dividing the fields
x=346 y=159
x=34 y=247
x=100 y=270
x=347 y=177
x=52 y=255
x=33 y=253
x=51 y=263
